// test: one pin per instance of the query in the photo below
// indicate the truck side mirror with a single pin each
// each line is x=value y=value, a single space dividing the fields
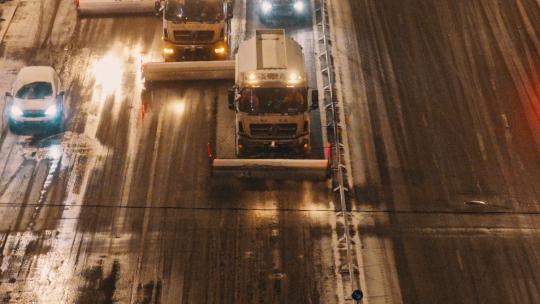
x=314 y=99
x=158 y=8
x=231 y=96
x=8 y=94
x=229 y=10
x=61 y=94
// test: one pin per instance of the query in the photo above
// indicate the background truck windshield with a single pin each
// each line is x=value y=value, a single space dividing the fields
x=194 y=10
x=35 y=90
x=273 y=100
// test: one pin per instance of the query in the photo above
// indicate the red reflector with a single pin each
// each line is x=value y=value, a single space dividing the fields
x=209 y=151
x=328 y=151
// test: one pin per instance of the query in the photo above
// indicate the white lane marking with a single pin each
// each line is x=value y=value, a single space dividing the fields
x=460 y=262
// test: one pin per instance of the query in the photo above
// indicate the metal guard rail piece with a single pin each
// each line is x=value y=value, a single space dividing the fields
x=335 y=138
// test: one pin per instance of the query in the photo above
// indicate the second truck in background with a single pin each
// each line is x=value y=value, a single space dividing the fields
x=195 y=29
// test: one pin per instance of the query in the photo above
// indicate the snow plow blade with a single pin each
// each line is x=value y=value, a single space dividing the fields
x=316 y=169
x=105 y=7
x=189 y=70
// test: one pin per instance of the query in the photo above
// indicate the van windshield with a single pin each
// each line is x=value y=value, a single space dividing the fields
x=273 y=100
x=194 y=10
x=35 y=90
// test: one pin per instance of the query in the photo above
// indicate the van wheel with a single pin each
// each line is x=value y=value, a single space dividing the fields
x=59 y=127
x=263 y=20
x=13 y=128
x=5 y=126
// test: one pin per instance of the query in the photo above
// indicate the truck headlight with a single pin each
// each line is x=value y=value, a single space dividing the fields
x=299 y=6
x=16 y=111
x=266 y=7
x=251 y=78
x=219 y=50
x=51 y=111
x=294 y=78
x=168 y=51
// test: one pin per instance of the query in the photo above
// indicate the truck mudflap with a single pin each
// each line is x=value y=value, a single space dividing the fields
x=316 y=169
x=104 y=7
x=188 y=70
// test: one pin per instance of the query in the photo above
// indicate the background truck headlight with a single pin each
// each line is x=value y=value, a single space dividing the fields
x=168 y=51
x=51 y=111
x=299 y=6
x=15 y=111
x=219 y=50
x=266 y=7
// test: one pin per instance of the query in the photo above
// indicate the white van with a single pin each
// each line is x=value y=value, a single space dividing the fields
x=36 y=102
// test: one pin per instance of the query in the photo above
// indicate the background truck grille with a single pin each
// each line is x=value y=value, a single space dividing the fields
x=193 y=36
x=273 y=130
x=34 y=113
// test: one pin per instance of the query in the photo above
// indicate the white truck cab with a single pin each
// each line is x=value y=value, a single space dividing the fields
x=195 y=29
x=35 y=103
x=271 y=95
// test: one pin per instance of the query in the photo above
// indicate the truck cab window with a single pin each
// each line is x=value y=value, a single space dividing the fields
x=248 y=102
x=273 y=100
x=203 y=10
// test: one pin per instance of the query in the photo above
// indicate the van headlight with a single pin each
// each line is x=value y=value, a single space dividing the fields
x=168 y=51
x=15 y=111
x=266 y=7
x=299 y=6
x=51 y=111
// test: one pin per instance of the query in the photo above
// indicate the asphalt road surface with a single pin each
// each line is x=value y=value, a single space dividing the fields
x=443 y=117
x=442 y=112
x=121 y=208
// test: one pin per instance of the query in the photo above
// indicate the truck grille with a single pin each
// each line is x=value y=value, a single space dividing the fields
x=34 y=113
x=273 y=130
x=193 y=36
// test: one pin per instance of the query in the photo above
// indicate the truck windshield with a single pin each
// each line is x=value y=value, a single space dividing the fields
x=194 y=10
x=273 y=100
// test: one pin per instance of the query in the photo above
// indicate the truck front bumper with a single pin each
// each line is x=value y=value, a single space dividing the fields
x=182 y=52
x=299 y=145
